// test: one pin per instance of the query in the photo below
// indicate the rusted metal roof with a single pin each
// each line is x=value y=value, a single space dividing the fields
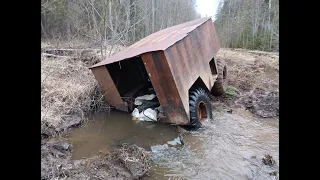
x=160 y=40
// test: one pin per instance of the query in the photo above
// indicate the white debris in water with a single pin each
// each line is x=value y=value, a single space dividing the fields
x=175 y=141
x=148 y=115
x=158 y=148
x=135 y=113
x=148 y=97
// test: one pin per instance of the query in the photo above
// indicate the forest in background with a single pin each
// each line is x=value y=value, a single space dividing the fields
x=248 y=24
x=112 y=21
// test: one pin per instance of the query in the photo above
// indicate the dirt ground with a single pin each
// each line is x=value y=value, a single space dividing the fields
x=253 y=82
x=127 y=162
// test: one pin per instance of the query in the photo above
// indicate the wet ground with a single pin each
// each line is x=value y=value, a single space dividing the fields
x=231 y=146
x=241 y=142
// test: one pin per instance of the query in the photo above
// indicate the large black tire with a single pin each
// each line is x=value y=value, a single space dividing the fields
x=219 y=86
x=200 y=107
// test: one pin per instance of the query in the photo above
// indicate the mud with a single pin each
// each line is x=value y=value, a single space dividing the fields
x=261 y=103
x=55 y=159
x=127 y=162
x=268 y=160
x=68 y=123
x=255 y=75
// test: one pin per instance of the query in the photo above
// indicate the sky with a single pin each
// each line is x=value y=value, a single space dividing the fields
x=208 y=8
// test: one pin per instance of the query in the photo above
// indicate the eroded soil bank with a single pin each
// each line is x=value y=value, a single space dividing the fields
x=127 y=162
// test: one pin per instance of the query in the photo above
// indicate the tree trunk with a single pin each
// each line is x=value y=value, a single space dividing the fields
x=269 y=14
x=93 y=16
x=134 y=25
x=153 y=15
x=110 y=15
x=43 y=31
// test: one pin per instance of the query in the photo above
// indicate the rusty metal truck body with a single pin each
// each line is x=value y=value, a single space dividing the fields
x=171 y=60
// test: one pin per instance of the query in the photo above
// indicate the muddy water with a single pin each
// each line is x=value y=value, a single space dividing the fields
x=106 y=132
x=229 y=147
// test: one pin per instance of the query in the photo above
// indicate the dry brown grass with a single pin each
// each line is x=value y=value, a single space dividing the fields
x=255 y=75
x=69 y=92
x=248 y=70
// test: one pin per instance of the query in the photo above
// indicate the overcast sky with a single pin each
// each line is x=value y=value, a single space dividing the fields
x=208 y=8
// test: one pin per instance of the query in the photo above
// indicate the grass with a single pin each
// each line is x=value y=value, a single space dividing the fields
x=248 y=70
x=231 y=91
x=68 y=89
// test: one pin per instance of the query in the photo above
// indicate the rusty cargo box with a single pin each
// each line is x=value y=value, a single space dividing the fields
x=171 y=61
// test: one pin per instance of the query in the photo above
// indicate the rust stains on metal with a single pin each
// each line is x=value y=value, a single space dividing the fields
x=175 y=59
x=160 y=40
x=189 y=59
x=165 y=87
x=108 y=87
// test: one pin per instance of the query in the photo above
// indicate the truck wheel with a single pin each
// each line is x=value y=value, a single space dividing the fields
x=219 y=86
x=200 y=107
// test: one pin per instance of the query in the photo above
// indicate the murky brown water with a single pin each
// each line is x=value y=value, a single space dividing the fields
x=229 y=147
x=106 y=132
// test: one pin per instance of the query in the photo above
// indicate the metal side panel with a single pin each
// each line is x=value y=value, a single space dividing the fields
x=165 y=87
x=189 y=59
x=110 y=91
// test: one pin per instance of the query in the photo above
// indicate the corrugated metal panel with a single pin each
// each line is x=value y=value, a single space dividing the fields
x=160 y=40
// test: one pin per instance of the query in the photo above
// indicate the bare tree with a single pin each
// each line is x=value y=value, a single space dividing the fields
x=111 y=21
x=251 y=24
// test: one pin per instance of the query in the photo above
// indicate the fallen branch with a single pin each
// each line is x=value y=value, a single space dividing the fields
x=68 y=52
x=55 y=49
x=55 y=56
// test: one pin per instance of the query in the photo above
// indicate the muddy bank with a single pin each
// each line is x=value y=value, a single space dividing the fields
x=260 y=102
x=127 y=162
x=69 y=95
x=69 y=92
x=253 y=81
